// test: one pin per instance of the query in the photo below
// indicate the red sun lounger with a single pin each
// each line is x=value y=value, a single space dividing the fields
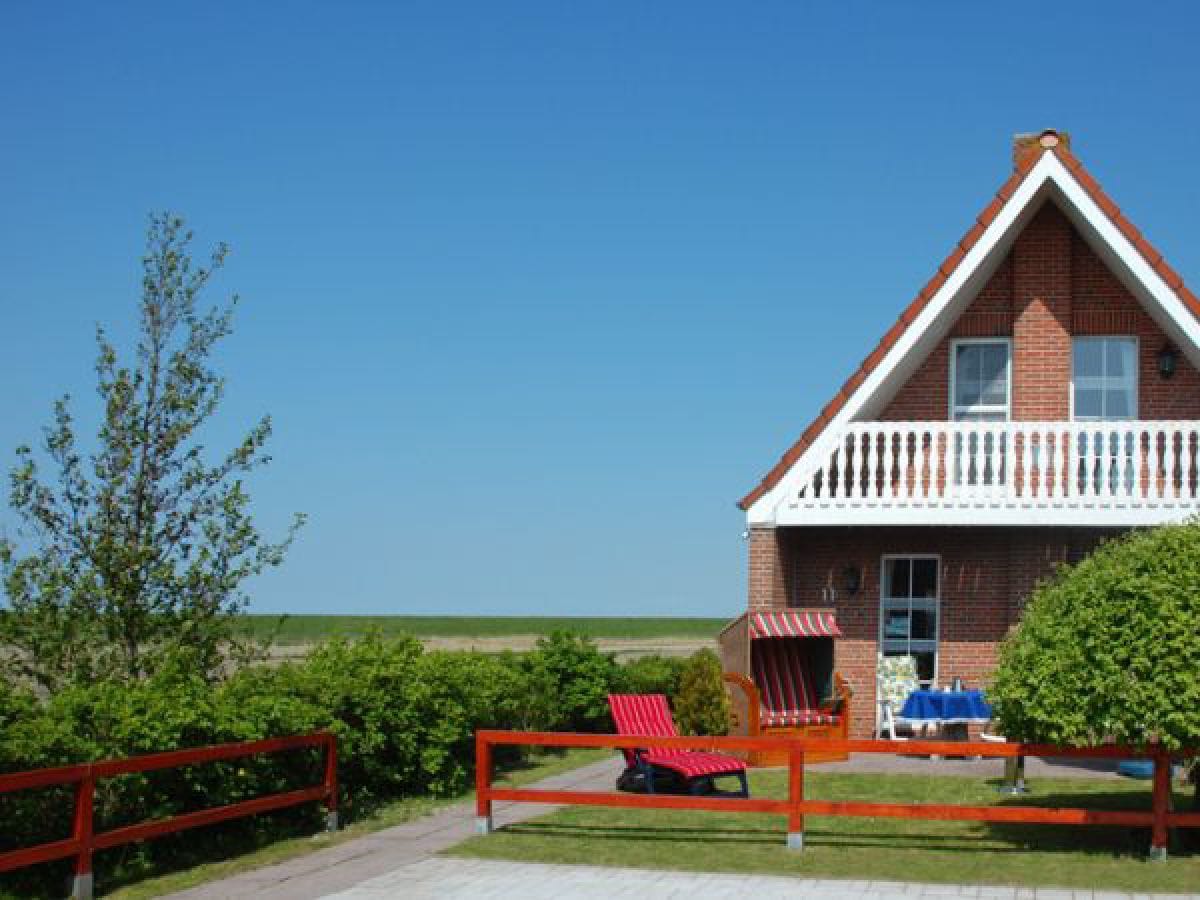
x=648 y=715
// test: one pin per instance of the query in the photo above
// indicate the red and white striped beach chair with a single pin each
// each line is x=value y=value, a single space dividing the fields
x=647 y=715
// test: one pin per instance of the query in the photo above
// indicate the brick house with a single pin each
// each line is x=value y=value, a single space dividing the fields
x=1039 y=394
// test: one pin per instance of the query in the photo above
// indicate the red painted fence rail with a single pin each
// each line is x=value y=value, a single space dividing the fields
x=84 y=841
x=1159 y=818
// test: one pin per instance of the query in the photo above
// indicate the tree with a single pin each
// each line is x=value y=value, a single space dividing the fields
x=1110 y=648
x=138 y=549
x=703 y=704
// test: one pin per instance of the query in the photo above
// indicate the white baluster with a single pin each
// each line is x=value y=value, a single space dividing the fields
x=925 y=471
x=939 y=479
x=1053 y=461
x=1173 y=469
x=887 y=486
x=1129 y=449
x=999 y=473
x=1111 y=440
x=1189 y=474
x=977 y=461
x=1017 y=473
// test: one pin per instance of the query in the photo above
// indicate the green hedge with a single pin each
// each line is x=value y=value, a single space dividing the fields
x=404 y=718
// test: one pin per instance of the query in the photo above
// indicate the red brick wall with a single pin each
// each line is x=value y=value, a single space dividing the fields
x=1102 y=305
x=986 y=575
x=925 y=397
x=1051 y=286
x=766 y=569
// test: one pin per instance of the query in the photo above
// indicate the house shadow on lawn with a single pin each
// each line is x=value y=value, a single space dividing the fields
x=815 y=838
x=1104 y=840
x=773 y=837
x=1098 y=841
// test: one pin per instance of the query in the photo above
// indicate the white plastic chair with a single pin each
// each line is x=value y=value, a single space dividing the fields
x=895 y=679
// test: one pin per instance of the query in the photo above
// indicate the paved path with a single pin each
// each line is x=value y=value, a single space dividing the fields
x=344 y=866
x=401 y=862
x=443 y=877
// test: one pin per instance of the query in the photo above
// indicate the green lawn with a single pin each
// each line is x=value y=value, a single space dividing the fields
x=307 y=629
x=396 y=813
x=883 y=849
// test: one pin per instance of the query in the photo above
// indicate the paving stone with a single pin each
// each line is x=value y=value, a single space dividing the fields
x=402 y=862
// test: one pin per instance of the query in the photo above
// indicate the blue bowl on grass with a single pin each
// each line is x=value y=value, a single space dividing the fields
x=1142 y=768
x=1136 y=768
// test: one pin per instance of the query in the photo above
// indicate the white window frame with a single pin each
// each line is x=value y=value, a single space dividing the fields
x=954 y=409
x=937 y=605
x=1137 y=359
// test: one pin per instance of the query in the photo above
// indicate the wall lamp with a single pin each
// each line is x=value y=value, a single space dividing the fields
x=1168 y=359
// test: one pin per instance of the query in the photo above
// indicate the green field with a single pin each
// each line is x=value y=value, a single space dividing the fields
x=308 y=629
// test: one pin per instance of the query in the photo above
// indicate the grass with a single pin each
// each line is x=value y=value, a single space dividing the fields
x=874 y=849
x=396 y=813
x=308 y=629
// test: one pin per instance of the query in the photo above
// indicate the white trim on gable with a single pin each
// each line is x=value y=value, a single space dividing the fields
x=1049 y=178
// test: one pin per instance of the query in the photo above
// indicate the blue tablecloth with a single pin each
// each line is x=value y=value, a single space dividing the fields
x=946 y=707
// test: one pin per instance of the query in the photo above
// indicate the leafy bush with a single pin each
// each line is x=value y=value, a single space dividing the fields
x=571 y=681
x=654 y=675
x=405 y=721
x=1110 y=648
x=703 y=704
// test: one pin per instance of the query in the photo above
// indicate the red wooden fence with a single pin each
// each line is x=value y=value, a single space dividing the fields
x=84 y=841
x=1159 y=818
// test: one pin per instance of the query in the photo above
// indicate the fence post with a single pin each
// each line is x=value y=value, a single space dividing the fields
x=483 y=784
x=795 y=832
x=1161 y=802
x=331 y=784
x=81 y=881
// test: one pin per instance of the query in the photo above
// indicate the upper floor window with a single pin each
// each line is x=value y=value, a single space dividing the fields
x=979 y=380
x=1104 y=378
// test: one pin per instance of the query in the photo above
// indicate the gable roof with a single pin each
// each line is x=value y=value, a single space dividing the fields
x=1030 y=154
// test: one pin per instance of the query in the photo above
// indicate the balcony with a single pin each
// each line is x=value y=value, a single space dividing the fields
x=999 y=473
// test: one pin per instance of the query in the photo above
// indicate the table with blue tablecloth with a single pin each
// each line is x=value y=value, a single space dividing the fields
x=945 y=708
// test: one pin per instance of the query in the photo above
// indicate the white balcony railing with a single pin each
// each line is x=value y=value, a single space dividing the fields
x=954 y=472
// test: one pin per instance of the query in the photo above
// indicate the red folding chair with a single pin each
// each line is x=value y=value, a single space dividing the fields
x=647 y=715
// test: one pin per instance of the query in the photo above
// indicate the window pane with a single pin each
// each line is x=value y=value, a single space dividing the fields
x=1089 y=403
x=1088 y=357
x=966 y=362
x=995 y=365
x=994 y=393
x=967 y=392
x=896 y=578
x=895 y=624
x=980 y=375
x=924 y=624
x=1118 y=358
x=925 y=666
x=1104 y=375
x=924 y=578
x=1117 y=404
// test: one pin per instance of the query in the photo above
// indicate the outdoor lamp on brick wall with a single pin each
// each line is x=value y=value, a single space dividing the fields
x=851 y=580
x=1168 y=356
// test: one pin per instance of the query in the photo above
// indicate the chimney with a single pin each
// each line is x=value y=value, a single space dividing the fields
x=1030 y=146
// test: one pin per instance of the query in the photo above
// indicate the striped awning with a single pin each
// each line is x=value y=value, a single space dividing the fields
x=793 y=623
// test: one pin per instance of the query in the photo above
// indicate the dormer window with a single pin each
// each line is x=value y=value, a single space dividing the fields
x=979 y=380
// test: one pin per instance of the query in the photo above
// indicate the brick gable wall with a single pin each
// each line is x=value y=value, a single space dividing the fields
x=1051 y=287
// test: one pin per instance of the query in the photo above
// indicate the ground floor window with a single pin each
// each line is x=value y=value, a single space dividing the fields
x=908 y=611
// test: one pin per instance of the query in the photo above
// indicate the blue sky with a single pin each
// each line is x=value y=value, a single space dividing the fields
x=535 y=292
